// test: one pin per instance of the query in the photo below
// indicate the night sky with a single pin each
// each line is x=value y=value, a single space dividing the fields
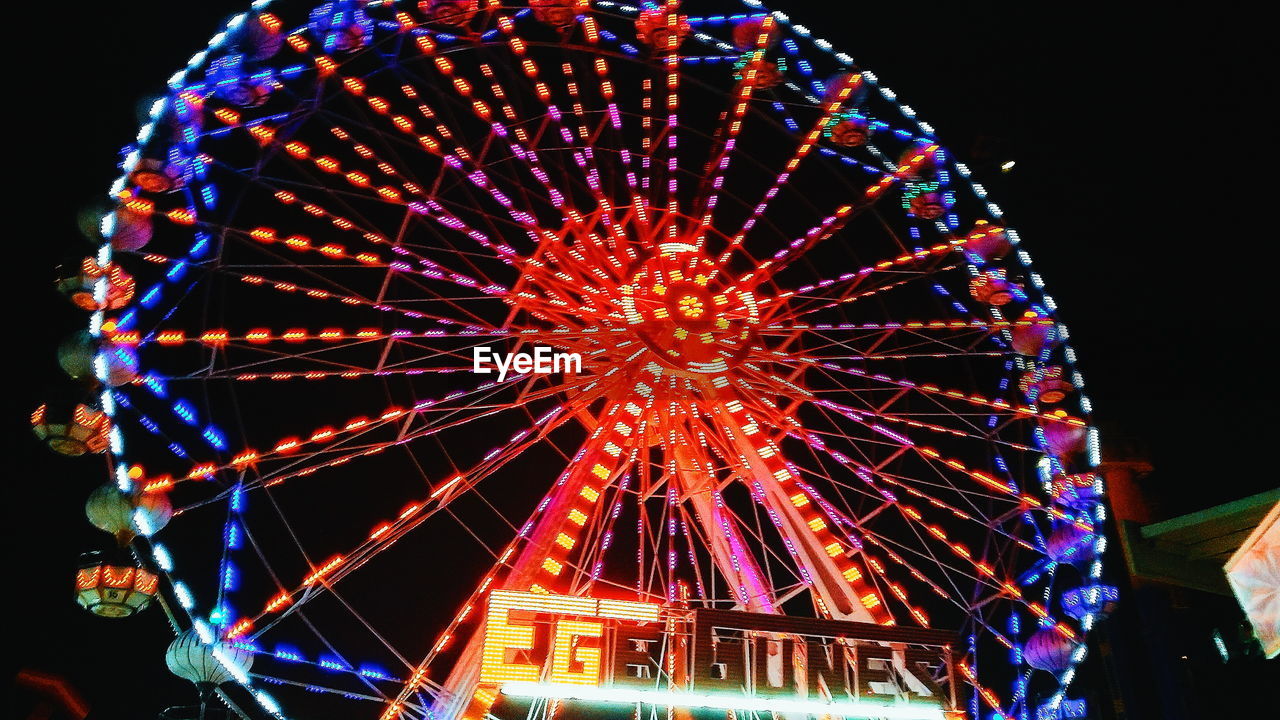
x=1143 y=188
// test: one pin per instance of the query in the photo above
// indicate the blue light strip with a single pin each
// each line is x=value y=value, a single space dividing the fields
x=116 y=450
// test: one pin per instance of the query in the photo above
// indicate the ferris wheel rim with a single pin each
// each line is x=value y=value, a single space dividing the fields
x=265 y=4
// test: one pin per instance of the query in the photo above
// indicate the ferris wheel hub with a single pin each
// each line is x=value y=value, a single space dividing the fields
x=677 y=304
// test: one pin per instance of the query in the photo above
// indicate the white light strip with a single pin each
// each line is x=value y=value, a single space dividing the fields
x=852 y=710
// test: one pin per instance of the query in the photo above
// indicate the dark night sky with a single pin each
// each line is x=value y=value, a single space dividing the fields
x=1143 y=189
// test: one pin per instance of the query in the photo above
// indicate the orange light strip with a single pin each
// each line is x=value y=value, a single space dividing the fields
x=320 y=294
x=602 y=460
x=785 y=478
x=1026 y=411
x=991 y=482
x=916 y=325
x=584 y=160
x=832 y=223
x=746 y=88
x=459 y=157
x=434 y=210
x=829 y=112
x=142 y=206
x=218 y=337
x=957 y=549
x=671 y=62
x=388 y=531
x=987 y=695
x=902 y=260
x=287 y=446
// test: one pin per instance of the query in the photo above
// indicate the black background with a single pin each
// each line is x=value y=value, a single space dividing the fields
x=1144 y=188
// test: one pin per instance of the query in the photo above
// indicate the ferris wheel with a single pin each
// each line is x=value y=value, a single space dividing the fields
x=402 y=307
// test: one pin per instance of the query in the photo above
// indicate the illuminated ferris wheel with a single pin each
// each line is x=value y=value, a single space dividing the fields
x=435 y=325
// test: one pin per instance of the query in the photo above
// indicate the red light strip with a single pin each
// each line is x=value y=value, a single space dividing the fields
x=671 y=62
x=604 y=455
x=388 y=532
x=829 y=111
x=733 y=126
x=219 y=337
x=832 y=223
x=361 y=181
x=957 y=549
x=325 y=435
x=988 y=697
x=1025 y=411
x=788 y=482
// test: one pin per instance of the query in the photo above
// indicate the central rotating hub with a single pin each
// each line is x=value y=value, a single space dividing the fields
x=602 y=295
x=679 y=306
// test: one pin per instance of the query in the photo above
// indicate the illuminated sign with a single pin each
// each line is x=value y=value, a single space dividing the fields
x=512 y=638
x=609 y=651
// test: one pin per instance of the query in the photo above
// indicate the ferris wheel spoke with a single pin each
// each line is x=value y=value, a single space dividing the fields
x=813 y=440
x=338 y=660
x=780 y=313
x=882 y=436
x=829 y=110
x=965 y=422
x=312 y=687
x=520 y=149
x=549 y=539
x=983 y=572
x=864 y=527
x=325 y=577
x=598 y=539
x=901 y=343
x=919 y=487
x=341 y=664
x=937 y=395
x=951 y=573
x=295 y=451
x=933 y=459
x=260 y=337
x=354 y=300
x=266 y=342
x=729 y=548
x=282 y=364
x=725 y=139
x=838 y=582
x=593 y=139
x=578 y=141
x=914 y=327
x=830 y=292
x=914 y=421
x=261 y=238
x=785 y=579
x=425 y=206
x=975 y=620
x=397 y=258
x=833 y=223
x=668 y=137
x=459 y=161
x=525 y=148
x=827 y=363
